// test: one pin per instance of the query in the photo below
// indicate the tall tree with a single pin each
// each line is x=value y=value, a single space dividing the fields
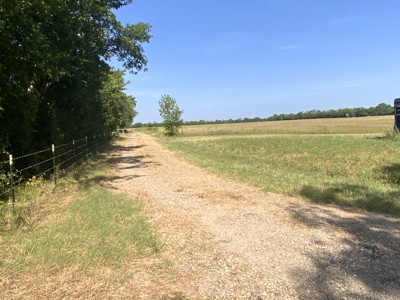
x=53 y=58
x=119 y=108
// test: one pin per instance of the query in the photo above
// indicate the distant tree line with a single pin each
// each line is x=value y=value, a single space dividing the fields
x=381 y=109
x=56 y=84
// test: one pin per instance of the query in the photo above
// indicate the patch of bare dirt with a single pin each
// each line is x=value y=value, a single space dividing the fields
x=227 y=240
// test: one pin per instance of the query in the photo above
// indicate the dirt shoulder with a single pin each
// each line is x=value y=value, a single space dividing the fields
x=227 y=240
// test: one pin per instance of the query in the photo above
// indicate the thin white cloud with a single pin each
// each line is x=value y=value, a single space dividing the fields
x=291 y=47
x=344 y=21
x=338 y=85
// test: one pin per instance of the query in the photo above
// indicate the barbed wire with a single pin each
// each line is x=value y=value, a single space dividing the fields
x=72 y=150
x=26 y=168
x=44 y=172
x=63 y=145
x=5 y=192
x=80 y=146
x=90 y=146
x=82 y=158
x=68 y=159
x=90 y=142
x=73 y=157
x=41 y=151
x=62 y=154
x=77 y=141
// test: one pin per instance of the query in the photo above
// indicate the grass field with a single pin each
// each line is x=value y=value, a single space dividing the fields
x=349 y=162
x=365 y=125
x=79 y=225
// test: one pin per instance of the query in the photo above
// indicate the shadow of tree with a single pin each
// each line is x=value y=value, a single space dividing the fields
x=86 y=183
x=133 y=162
x=369 y=256
x=126 y=148
x=85 y=176
x=360 y=196
x=391 y=173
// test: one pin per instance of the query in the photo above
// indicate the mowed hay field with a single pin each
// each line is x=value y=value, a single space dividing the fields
x=368 y=125
x=353 y=162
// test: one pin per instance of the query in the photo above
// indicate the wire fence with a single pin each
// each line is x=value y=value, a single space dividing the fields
x=47 y=163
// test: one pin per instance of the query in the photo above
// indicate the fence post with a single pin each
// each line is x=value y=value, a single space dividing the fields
x=73 y=145
x=87 y=150
x=54 y=165
x=12 y=179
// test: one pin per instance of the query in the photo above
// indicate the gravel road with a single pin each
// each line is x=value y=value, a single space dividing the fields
x=228 y=240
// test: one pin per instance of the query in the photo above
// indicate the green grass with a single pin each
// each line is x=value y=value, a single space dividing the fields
x=98 y=228
x=350 y=170
x=93 y=226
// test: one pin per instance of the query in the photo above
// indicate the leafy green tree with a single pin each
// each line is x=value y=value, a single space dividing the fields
x=171 y=114
x=384 y=109
x=119 y=108
x=53 y=65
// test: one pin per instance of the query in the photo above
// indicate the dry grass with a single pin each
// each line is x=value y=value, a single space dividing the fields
x=362 y=125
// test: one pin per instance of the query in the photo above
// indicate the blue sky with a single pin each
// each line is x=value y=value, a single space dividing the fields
x=225 y=59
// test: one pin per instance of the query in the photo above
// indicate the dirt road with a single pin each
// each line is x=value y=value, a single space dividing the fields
x=227 y=240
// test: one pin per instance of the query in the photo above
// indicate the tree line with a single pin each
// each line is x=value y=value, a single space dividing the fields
x=381 y=109
x=56 y=82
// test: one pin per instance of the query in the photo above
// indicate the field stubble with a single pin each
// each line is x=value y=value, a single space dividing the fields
x=364 y=125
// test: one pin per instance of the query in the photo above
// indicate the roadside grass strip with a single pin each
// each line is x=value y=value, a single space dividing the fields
x=352 y=170
x=92 y=226
x=99 y=228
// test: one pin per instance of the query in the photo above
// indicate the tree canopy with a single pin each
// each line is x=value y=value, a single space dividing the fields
x=55 y=80
x=171 y=114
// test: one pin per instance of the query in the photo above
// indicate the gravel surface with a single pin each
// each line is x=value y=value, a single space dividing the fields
x=228 y=240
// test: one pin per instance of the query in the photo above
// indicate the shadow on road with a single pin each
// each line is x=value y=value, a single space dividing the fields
x=369 y=256
x=130 y=161
x=365 y=197
x=126 y=148
x=86 y=183
x=121 y=159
